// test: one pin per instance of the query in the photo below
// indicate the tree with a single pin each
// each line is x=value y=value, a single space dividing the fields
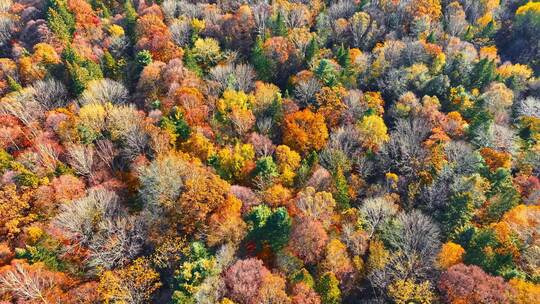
x=60 y=20
x=133 y=284
x=195 y=267
x=305 y=131
x=206 y=52
x=154 y=36
x=303 y=294
x=328 y=289
x=225 y=225
x=31 y=283
x=373 y=132
x=269 y=227
x=523 y=292
x=341 y=191
x=265 y=169
x=203 y=194
x=471 y=284
x=450 y=255
x=176 y=126
x=244 y=280
x=278 y=27
x=308 y=240
x=483 y=73
x=430 y=8
x=233 y=163
x=235 y=110
x=316 y=205
x=15 y=211
x=407 y=291
x=279 y=227
x=329 y=103
x=375 y=213
x=288 y=161
x=495 y=159
x=262 y=64
x=273 y=291
x=326 y=73
x=337 y=260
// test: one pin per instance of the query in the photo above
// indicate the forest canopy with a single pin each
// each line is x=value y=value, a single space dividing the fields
x=270 y=151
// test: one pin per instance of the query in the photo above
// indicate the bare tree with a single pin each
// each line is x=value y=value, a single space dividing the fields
x=461 y=155
x=77 y=219
x=262 y=144
x=356 y=106
x=455 y=19
x=296 y=17
x=99 y=223
x=416 y=244
x=376 y=212
x=106 y=152
x=180 y=32
x=50 y=93
x=364 y=30
x=104 y=91
x=117 y=242
x=48 y=157
x=345 y=139
x=306 y=90
x=122 y=119
x=404 y=153
x=23 y=106
x=529 y=106
x=7 y=25
x=81 y=159
x=24 y=284
x=356 y=240
x=162 y=181
x=341 y=9
x=418 y=235
x=237 y=77
x=136 y=141
x=261 y=15
x=264 y=124
x=170 y=9
x=190 y=10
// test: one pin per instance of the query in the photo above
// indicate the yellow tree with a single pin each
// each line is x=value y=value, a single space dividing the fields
x=288 y=161
x=133 y=284
x=373 y=132
x=305 y=131
x=407 y=291
x=450 y=255
x=523 y=292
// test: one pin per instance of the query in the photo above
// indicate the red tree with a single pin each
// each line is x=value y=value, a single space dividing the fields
x=470 y=284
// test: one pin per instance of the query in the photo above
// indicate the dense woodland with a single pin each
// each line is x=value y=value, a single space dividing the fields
x=270 y=152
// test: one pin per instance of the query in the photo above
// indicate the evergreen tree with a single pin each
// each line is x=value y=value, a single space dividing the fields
x=261 y=63
x=326 y=73
x=278 y=228
x=328 y=289
x=60 y=20
x=269 y=227
x=311 y=50
x=483 y=73
x=278 y=27
x=13 y=84
x=130 y=21
x=341 y=192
